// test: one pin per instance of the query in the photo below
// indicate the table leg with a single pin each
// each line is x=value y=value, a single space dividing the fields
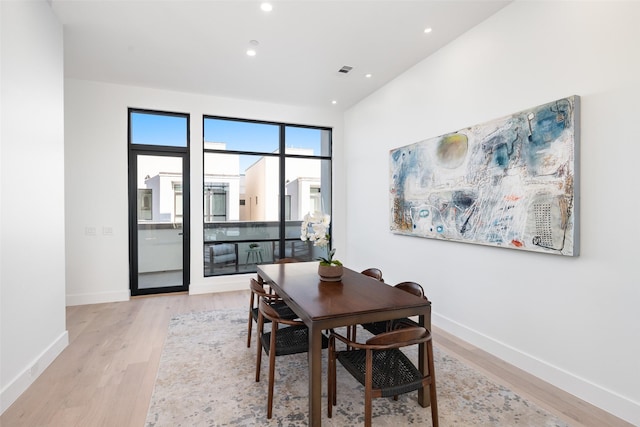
x=315 y=376
x=423 y=365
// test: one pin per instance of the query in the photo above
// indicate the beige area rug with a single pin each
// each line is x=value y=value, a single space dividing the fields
x=207 y=378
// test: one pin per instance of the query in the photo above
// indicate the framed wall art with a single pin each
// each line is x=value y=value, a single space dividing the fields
x=511 y=182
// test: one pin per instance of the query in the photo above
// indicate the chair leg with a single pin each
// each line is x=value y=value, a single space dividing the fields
x=272 y=367
x=351 y=334
x=368 y=393
x=432 y=385
x=260 y=327
x=335 y=384
x=250 y=321
x=331 y=378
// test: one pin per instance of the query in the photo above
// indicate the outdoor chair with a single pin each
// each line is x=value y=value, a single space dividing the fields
x=222 y=254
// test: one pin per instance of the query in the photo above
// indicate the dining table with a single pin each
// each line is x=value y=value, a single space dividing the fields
x=356 y=299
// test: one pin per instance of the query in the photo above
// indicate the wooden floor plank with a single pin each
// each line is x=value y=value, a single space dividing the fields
x=105 y=377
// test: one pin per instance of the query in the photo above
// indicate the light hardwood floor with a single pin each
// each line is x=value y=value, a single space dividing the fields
x=105 y=376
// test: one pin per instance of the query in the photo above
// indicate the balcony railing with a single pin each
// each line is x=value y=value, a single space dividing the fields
x=237 y=247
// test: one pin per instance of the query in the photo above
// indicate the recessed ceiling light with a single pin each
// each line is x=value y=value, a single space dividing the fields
x=334 y=102
x=369 y=75
x=251 y=51
x=266 y=7
x=427 y=30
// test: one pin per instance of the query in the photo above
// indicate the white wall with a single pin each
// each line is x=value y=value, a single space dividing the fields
x=32 y=276
x=96 y=179
x=574 y=322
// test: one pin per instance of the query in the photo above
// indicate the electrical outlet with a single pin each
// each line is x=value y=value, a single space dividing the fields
x=90 y=231
x=107 y=231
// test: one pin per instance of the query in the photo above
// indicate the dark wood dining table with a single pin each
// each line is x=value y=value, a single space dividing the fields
x=357 y=299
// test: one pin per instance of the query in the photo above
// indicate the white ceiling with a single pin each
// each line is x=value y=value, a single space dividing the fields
x=200 y=46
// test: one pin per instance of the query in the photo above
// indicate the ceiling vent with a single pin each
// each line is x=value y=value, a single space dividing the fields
x=345 y=69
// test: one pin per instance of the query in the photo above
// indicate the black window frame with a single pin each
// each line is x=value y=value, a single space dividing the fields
x=282 y=156
x=133 y=150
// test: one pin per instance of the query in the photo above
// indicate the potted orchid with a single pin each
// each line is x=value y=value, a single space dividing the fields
x=315 y=229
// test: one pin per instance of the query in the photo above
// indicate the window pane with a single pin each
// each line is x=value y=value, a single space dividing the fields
x=305 y=179
x=261 y=190
x=242 y=193
x=222 y=181
x=223 y=134
x=240 y=190
x=316 y=142
x=159 y=184
x=158 y=129
x=159 y=237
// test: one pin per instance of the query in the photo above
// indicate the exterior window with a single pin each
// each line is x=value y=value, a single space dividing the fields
x=177 y=203
x=145 y=200
x=272 y=175
x=316 y=201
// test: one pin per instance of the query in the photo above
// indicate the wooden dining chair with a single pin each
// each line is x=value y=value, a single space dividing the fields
x=292 y=339
x=286 y=260
x=388 y=325
x=382 y=368
x=259 y=291
x=375 y=273
x=253 y=307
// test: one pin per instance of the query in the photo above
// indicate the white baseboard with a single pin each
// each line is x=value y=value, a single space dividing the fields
x=208 y=285
x=24 y=379
x=97 y=297
x=238 y=282
x=605 y=399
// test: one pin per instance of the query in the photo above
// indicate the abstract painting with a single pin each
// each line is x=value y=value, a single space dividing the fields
x=511 y=182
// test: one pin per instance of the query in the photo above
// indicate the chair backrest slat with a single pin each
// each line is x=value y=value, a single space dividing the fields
x=257 y=288
x=411 y=287
x=375 y=273
x=402 y=337
x=268 y=311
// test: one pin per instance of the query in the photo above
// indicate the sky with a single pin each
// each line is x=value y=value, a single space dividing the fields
x=171 y=130
x=167 y=130
x=156 y=129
